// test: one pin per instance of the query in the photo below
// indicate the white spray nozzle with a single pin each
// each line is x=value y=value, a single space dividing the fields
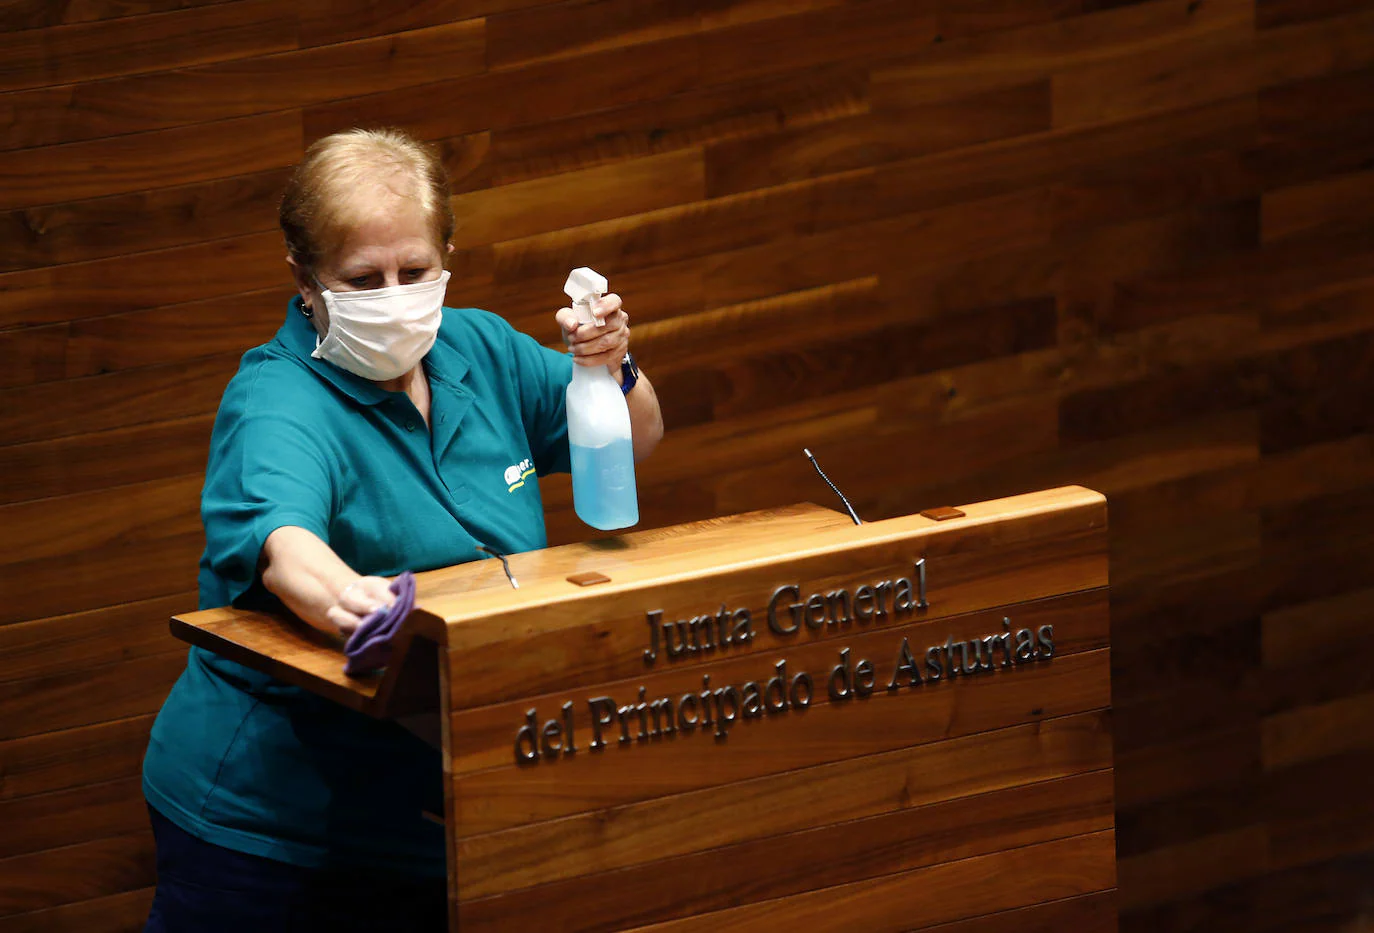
x=584 y=287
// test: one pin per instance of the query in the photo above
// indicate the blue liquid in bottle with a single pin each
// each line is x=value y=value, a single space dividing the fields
x=604 y=484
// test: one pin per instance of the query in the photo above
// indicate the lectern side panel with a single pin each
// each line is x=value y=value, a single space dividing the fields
x=838 y=854
x=1086 y=913
x=967 y=772
x=926 y=897
x=591 y=640
x=283 y=647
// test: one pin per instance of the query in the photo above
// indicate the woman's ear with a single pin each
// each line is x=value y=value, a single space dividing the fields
x=305 y=283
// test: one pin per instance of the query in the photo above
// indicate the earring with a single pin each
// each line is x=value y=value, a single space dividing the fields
x=308 y=311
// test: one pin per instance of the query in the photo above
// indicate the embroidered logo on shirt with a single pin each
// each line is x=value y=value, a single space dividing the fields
x=517 y=473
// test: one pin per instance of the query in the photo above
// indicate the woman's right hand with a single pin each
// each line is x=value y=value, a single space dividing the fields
x=324 y=592
x=357 y=601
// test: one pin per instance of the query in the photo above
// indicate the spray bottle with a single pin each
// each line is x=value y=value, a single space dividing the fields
x=603 y=461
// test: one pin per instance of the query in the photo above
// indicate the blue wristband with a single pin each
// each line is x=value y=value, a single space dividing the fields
x=629 y=374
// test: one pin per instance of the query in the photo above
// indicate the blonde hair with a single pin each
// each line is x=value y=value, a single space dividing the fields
x=317 y=208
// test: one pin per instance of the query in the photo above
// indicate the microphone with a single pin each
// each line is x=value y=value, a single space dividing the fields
x=515 y=585
x=847 y=507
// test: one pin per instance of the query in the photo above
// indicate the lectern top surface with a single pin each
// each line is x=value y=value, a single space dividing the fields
x=480 y=589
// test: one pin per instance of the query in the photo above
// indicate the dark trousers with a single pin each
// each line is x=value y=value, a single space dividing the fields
x=204 y=888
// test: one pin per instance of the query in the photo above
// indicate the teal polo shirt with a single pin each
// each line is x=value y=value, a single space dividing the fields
x=247 y=762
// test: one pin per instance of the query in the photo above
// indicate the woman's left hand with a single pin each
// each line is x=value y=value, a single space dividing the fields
x=593 y=345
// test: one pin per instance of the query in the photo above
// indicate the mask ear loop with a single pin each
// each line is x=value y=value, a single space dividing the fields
x=306 y=310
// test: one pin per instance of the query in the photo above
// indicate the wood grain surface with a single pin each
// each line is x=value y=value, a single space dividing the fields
x=961 y=249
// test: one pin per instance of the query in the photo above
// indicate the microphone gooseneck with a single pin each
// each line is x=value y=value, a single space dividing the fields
x=847 y=507
x=515 y=585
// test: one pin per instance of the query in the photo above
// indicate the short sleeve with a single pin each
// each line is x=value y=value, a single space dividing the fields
x=543 y=375
x=265 y=471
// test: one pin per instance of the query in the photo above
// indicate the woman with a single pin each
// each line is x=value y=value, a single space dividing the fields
x=372 y=435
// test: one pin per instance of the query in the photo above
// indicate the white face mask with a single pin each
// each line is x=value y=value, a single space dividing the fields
x=382 y=333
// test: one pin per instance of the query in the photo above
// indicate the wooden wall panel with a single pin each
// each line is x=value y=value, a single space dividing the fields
x=119 y=164
x=75 y=53
x=959 y=248
x=244 y=86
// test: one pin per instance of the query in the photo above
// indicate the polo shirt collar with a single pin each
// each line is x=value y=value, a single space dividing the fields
x=297 y=334
x=445 y=363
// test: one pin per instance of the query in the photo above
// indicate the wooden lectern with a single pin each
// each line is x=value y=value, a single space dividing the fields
x=773 y=721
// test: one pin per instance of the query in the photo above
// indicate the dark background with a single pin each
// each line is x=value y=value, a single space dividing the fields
x=959 y=248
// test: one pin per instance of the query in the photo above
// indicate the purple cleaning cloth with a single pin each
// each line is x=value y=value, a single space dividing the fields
x=369 y=647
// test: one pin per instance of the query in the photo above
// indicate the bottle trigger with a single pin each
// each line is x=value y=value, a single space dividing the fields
x=585 y=315
x=585 y=286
